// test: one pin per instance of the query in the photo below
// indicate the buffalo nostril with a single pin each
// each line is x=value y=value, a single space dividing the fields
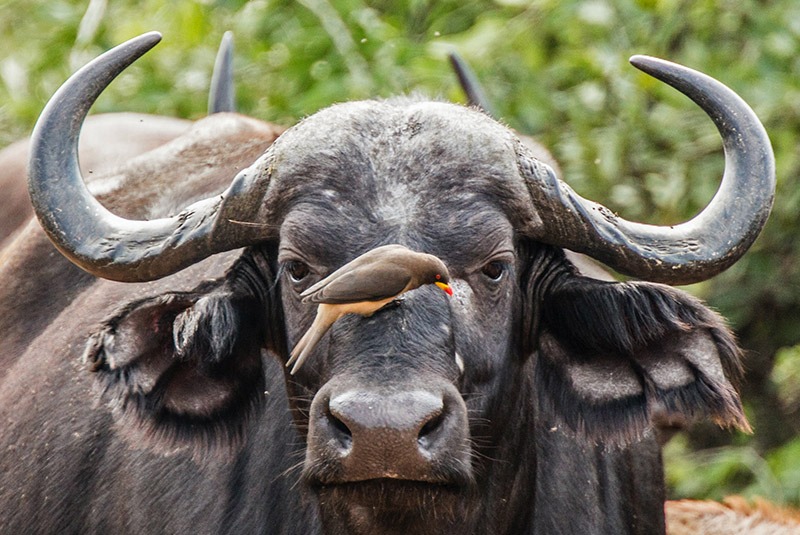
x=340 y=432
x=430 y=431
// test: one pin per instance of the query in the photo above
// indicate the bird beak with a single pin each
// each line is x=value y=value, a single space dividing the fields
x=445 y=287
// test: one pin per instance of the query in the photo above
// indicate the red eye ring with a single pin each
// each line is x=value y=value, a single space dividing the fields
x=438 y=277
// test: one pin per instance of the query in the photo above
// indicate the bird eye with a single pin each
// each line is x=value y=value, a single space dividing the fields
x=494 y=270
x=297 y=271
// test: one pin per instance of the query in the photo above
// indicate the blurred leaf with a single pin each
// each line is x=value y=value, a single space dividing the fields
x=786 y=376
x=715 y=474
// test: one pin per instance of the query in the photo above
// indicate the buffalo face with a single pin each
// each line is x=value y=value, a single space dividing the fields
x=386 y=394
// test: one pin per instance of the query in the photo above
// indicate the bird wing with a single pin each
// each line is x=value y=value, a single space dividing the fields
x=372 y=282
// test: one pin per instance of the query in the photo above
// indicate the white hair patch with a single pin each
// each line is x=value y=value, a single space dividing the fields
x=459 y=363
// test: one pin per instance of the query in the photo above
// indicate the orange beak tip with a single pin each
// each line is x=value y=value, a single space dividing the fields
x=445 y=287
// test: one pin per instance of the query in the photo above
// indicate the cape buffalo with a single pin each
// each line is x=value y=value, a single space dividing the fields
x=148 y=393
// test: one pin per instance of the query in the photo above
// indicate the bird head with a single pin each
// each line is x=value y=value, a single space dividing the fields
x=442 y=282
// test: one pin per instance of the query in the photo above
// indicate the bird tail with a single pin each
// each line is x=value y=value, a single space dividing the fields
x=305 y=346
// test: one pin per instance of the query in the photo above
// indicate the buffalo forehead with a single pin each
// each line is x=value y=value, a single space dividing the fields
x=426 y=147
x=400 y=170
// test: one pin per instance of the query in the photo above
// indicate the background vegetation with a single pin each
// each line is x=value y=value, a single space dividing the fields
x=556 y=69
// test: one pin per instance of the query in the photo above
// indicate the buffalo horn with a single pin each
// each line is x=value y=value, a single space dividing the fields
x=470 y=84
x=221 y=96
x=681 y=254
x=97 y=240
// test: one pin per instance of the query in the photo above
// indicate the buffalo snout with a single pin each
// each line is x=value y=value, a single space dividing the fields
x=412 y=434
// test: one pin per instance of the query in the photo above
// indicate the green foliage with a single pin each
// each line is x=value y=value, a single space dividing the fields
x=742 y=470
x=786 y=377
x=716 y=473
x=554 y=69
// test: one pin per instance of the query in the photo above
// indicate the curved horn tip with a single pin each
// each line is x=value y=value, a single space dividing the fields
x=723 y=231
x=146 y=40
x=650 y=64
x=459 y=66
x=226 y=45
x=476 y=96
x=221 y=95
x=639 y=59
x=683 y=78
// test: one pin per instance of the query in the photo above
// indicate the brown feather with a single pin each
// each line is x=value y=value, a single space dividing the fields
x=363 y=286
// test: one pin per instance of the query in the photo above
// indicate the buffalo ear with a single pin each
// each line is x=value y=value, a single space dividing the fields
x=612 y=357
x=182 y=369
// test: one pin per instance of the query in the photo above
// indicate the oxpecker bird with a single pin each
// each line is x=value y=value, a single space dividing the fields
x=364 y=286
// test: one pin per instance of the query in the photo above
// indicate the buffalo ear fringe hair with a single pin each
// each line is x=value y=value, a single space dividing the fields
x=626 y=420
x=183 y=370
x=631 y=328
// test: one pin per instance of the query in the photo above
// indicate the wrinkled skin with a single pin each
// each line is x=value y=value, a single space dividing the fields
x=521 y=405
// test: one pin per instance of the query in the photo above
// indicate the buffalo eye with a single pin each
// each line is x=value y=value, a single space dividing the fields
x=297 y=271
x=494 y=270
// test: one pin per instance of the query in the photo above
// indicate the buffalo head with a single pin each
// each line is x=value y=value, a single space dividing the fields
x=414 y=413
